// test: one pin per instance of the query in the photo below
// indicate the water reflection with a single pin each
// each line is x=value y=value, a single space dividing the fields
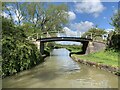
x=60 y=71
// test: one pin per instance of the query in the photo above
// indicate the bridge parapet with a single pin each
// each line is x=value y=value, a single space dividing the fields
x=76 y=39
x=84 y=41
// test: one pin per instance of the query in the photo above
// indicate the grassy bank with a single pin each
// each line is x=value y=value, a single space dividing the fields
x=107 y=60
x=103 y=57
x=72 y=48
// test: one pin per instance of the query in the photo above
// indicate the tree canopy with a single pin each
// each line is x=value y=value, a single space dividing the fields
x=40 y=17
x=116 y=21
x=114 y=36
x=95 y=32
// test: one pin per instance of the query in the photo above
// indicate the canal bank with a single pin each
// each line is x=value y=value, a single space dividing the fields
x=61 y=71
x=101 y=59
x=109 y=68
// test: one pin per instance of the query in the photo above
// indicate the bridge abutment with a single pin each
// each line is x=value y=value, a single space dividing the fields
x=90 y=48
x=42 y=47
x=84 y=47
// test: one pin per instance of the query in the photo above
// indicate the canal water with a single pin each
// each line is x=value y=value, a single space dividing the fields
x=60 y=71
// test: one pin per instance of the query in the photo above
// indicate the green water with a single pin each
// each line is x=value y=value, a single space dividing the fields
x=60 y=71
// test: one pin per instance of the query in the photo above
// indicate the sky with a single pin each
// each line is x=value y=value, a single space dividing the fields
x=97 y=13
x=87 y=14
x=84 y=15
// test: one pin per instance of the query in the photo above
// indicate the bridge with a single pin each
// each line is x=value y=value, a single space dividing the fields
x=84 y=41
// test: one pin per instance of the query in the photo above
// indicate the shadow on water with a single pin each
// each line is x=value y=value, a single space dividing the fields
x=46 y=75
x=79 y=53
x=35 y=72
x=60 y=71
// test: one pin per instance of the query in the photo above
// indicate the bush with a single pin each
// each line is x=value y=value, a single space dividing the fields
x=114 y=42
x=18 y=54
x=49 y=46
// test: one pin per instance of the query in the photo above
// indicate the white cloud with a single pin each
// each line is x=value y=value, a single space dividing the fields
x=104 y=17
x=82 y=26
x=71 y=15
x=115 y=11
x=68 y=43
x=113 y=6
x=109 y=30
x=15 y=15
x=90 y=7
x=5 y=15
x=75 y=1
x=10 y=7
x=17 y=12
x=15 y=18
x=69 y=32
x=35 y=19
x=79 y=28
x=76 y=29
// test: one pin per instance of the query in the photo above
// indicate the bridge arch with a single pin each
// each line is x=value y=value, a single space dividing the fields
x=84 y=41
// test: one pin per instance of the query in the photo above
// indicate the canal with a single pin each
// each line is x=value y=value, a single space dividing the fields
x=60 y=71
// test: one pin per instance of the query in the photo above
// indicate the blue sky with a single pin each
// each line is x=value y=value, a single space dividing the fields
x=102 y=20
x=85 y=15
x=104 y=17
x=93 y=13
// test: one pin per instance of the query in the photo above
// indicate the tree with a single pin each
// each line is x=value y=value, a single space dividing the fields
x=113 y=41
x=55 y=18
x=42 y=17
x=14 y=10
x=116 y=22
x=95 y=32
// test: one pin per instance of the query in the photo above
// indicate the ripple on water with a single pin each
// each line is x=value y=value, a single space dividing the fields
x=60 y=71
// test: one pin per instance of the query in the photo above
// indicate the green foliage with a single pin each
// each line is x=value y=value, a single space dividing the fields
x=55 y=17
x=17 y=53
x=109 y=57
x=96 y=32
x=116 y=21
x=113 y=41
x=37 y=17
x=49 y=46
x=72 y=48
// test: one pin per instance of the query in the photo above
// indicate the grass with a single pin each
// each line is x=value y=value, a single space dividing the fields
x=103 y=57
x=72 y=48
